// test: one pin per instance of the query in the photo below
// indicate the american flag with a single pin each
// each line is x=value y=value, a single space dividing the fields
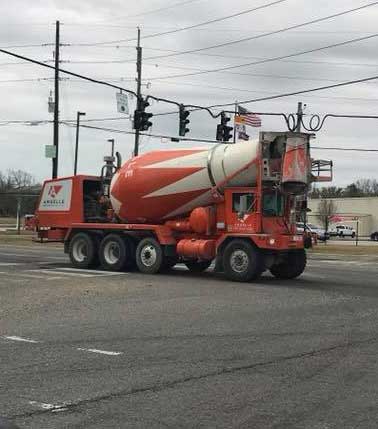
x=247 y=118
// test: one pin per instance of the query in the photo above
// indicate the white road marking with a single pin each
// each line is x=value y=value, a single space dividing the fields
x=45 y=406
x=36 y=276
x=101 y=352
x=28 y=255
x=16 y=338
x=57 y=271
x=93 y=272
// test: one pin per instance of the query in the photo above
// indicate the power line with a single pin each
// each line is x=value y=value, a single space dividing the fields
x=207 y=54
x=270 y=33
x=161 y=9
x=189 y=27
x=164 y=136
x=194 y=107
x=304 y=91
x=26 y=46
x=259 y=92
x=267 y=60
x=273 y=76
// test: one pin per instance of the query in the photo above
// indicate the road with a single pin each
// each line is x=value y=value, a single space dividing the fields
x=86 y=349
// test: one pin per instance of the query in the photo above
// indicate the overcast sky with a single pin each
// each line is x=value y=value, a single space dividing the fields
x=25 y=22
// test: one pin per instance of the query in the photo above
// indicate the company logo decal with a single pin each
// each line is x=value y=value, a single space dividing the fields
x=54 y=190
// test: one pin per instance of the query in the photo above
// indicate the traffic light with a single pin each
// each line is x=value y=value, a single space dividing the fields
x=224 y=132
x=141 y=118
x=184 y=121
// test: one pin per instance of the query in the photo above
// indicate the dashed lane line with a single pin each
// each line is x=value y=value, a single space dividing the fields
x=34 y=276
x=21 y=339
x=49 y=407
x=29 y=255
x=82 y=270
x=101 y=352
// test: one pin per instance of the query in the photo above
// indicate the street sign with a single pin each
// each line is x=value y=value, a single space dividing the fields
x=50 y=151
x=122 y=103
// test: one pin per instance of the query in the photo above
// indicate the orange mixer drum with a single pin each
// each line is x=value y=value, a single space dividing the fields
x=160 y=185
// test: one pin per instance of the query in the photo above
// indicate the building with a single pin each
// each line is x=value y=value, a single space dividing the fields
x=361 y=213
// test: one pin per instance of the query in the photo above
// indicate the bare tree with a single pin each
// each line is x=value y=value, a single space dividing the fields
x=20 y=179
x=326 y=209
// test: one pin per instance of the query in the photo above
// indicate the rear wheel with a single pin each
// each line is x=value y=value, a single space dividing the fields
x=115 y=253
x=242 y=262
x=82 y=250
x=292 y=267
x=198 y=266
x=149 y=256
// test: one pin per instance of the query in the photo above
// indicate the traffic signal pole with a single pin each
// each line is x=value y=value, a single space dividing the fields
x=139 y=86
x=56 y=103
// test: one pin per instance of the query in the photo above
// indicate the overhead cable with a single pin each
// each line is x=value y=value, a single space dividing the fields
x=260 y=36
x=189 y=27
x=267 y=60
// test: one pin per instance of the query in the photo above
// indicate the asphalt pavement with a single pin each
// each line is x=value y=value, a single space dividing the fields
x=93 y=349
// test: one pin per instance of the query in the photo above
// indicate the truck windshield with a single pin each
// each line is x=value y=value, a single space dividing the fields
x=273 y=204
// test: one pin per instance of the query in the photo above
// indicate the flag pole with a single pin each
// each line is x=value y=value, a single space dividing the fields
x=236 y=112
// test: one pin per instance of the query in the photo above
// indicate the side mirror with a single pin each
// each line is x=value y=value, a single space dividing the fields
x=243 y=206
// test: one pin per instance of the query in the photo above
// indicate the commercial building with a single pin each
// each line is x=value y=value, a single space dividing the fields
x=361 y=213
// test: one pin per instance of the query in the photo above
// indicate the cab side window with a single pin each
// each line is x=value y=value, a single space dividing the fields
x=236 y=202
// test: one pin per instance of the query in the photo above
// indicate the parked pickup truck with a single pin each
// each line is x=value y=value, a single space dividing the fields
x=343 y=231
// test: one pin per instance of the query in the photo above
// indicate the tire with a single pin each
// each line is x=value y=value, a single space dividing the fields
x=115 y=253
x=242 y=262
x=82 y=250
x=198 y=266
x=353 y=234
x=293 y=267
x=149 y=256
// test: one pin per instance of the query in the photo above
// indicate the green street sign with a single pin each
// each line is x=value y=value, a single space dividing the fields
x=50 y=151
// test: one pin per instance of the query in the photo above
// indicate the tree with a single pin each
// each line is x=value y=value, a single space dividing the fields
x=326 y=209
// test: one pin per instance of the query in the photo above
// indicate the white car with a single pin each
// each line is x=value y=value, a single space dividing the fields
x=343 y=231
x=313 y=229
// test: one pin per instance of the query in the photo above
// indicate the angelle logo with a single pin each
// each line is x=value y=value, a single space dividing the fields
x=57 y=196
x=54 y=190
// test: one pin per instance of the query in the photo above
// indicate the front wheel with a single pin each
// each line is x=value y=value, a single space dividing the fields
x=82 y=250
x=242 y=262
x=293 y=265
x=149 y=256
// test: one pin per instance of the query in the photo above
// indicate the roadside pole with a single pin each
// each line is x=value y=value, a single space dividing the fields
x=139 y=85
x=299 y=117
x=18 y=222
x=56 y=103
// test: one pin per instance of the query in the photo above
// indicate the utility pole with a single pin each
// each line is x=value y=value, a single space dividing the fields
x=56 y=102
x=77 y=139
x=235 y=114
x=112 y=142
x=299 y=117
x=139 y=85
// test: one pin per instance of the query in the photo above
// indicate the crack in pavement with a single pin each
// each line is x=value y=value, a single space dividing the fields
x=68 y=406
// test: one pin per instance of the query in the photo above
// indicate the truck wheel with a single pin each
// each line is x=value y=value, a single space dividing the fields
x=293 y=267
x=82 y=250
x=241 y=261
x=149 y=256
x=198 y=266
x=114 y=252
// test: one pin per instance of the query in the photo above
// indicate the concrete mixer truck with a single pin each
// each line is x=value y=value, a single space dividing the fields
x=234 y=204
